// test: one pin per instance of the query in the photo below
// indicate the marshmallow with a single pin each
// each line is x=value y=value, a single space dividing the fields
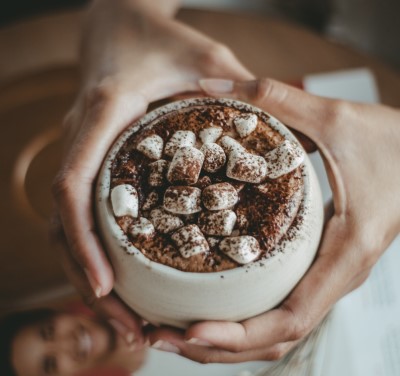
x=263 y=188
x=190 y=241
x=164 y=222
x=179 y=139
x=125 y=200
x=219 y=223
x=203 y=182
x=125 y=222
x=219 y=196
x=151 y=201
x=238 y=185
x=284 y=159
x=142 y=228
x=151 y=146
x=214 y=157
x=229 y=145
x=242 y=249
x=186 y=166
x=213 y=241
x=157 y=172
x=182 y=200
x=246 y=167
x=210 y=135
x=245 y=124
x=241 y=222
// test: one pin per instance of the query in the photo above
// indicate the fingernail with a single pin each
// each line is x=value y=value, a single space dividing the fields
x=165 y=346
x=123 y=331
x=94 y=285
x=198 y=342
x=216 y=85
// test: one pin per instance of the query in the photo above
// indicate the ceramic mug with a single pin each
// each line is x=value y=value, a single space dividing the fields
x=163 y=295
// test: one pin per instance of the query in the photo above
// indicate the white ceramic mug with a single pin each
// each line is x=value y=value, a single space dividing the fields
x=164 y=295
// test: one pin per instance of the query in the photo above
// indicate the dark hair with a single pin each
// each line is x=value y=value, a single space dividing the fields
x=10 y=326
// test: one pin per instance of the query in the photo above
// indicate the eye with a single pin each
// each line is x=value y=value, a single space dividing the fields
x=47 y=331
x=50 y=365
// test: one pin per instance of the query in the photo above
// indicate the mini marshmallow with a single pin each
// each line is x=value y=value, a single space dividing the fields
x=151 y=146
x=246 y=167
x=241 y=222
x=210 y=135
x=214 y=157
x=229 y=145
x=242 y=249
x=165 y=222
x=245 y=124
x=190 y=241
x=157 y=172
x=213 y=241
x=151 y=201
x=186 y=166
x=203 y=182
x=219 y=223
x=125 y=200
x=284 y=159
x=263 y=188
x=182 y=200
x=179 y=139
x=219 y=196
x=142 y=228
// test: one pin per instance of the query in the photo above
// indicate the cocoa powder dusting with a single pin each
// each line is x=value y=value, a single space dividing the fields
x=266 y=213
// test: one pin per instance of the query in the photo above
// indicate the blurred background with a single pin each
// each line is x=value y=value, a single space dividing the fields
x=369 y=25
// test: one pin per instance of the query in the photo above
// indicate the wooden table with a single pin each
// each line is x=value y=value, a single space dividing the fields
x=38 y=81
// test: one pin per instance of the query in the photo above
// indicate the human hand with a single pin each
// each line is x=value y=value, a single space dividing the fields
x=131 y=56
x=360 y=145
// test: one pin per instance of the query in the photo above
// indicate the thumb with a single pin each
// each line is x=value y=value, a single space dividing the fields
x=301 y=111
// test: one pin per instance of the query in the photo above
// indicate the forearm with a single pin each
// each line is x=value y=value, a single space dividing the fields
x=166 y=8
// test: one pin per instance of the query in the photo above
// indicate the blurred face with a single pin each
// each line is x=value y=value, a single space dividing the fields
x=61 y=346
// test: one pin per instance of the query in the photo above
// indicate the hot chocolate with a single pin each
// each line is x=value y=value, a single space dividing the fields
x=207 y=188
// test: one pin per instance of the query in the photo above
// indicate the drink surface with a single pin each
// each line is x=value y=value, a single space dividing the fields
x=207 y=188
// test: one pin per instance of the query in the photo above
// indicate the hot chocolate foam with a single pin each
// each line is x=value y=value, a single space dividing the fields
x=214 y=188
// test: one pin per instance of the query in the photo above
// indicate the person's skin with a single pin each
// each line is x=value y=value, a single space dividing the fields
x=360 y=145
x=133 y=53
x=67 y=344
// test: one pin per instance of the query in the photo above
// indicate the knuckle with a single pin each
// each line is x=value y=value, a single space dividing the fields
x=263 y=89
x=238 y=347
x=276 y=353
x=205 y=359
x=297 y=328
x=100 y=93
x=216 y=54
x=338 y=113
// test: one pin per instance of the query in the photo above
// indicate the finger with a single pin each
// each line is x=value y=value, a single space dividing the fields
x=73 y=187
x=171 y=340
x=125 y=321
x=301 y=111
x=214 y=59
x=326 y=281
x=121 y=317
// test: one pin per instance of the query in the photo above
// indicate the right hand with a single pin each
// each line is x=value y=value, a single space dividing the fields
x=130 y=57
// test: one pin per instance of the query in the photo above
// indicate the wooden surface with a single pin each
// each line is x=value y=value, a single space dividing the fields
x=38 y=81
